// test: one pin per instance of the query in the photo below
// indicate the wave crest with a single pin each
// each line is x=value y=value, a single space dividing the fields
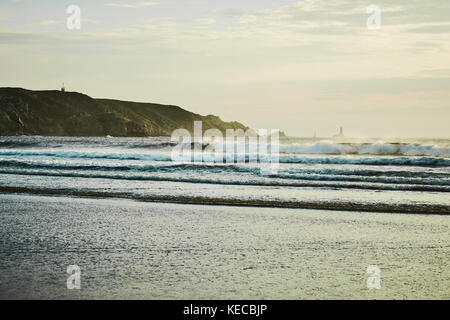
x=378 y=148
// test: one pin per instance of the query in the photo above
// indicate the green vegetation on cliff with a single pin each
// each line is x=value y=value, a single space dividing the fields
x=56 y=113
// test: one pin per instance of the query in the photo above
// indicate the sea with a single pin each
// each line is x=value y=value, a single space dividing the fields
x=142 y=226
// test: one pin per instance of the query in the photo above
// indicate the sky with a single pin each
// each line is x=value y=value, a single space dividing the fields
x=303 y=67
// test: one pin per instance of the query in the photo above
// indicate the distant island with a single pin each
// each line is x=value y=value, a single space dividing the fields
x=62 y=113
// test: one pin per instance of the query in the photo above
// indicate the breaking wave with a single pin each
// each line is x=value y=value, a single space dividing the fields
x=364 y=159
x=379 y=148
x=414 y=165
x=324 y=182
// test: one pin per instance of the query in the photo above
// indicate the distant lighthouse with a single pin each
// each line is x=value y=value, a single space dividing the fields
x=63 y=88
x=340 y=134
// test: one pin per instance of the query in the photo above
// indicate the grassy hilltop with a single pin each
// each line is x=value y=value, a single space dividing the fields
x=56 y=113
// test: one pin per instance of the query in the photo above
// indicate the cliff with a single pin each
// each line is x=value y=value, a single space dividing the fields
x=56 y=113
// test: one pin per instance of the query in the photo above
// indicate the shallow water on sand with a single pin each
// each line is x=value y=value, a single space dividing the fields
x=129 y=249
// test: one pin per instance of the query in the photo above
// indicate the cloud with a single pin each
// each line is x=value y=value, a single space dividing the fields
x=248 y=18
x=197 y=2
x=436 y=73
x=443 y=28
x=49 y=22
x=205 y=21
x=24 y=38
x=132 y=5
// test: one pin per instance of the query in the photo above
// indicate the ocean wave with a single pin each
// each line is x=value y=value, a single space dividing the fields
x=297 y=204
x=234 y=181
x=379 y=148
x=384 y=179
x=157 y=156
x=17 y=144
x=379 y=161
x=292 y=158
x=165 y=167
x=205 y=168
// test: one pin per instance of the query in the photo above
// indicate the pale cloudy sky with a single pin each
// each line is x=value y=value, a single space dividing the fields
x=300 y=66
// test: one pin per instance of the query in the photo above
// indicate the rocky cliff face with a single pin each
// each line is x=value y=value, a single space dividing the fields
x=13 y=109
x=55 y=113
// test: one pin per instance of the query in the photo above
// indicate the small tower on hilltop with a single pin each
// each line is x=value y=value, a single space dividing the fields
x=63 y=88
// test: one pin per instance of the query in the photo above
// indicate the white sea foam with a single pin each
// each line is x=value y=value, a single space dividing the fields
x=379 y=148
x=322 y=147
x=419 y=150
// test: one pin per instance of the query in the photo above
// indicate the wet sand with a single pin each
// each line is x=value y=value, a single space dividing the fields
x=142 y=250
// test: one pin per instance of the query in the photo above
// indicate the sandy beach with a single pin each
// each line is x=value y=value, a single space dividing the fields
x=137 y=250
